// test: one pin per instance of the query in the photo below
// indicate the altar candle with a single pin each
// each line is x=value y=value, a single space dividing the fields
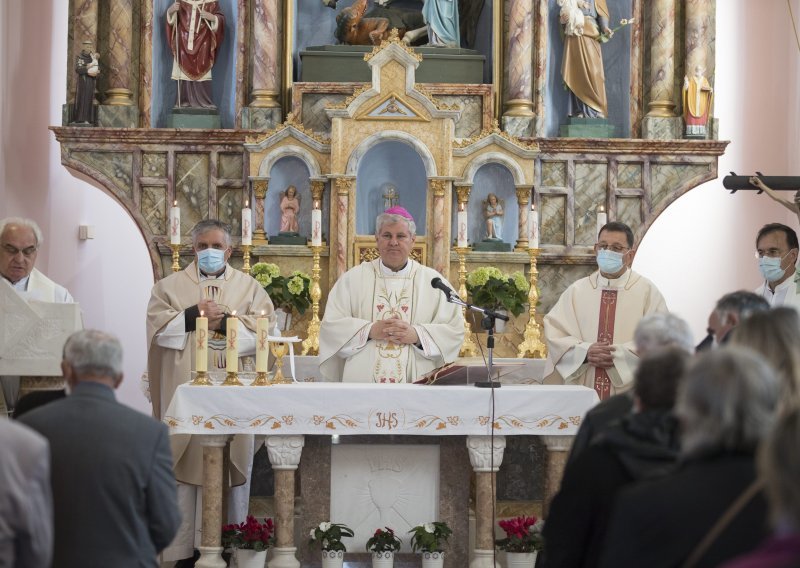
x=262 y=345
x=602 y=218
x=533 y=228
x=174 y=224
x=461 y=219
x=247 y=229
x=201 y=336
x=232 y=342
x=316 y=227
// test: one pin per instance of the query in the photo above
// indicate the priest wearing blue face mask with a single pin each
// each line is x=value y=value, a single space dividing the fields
x=208 y=285
x=589 y=332
x=776 y=251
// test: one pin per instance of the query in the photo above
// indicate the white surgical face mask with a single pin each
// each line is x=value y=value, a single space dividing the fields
x=211 y=260
x=771 y=267
x=609 y=262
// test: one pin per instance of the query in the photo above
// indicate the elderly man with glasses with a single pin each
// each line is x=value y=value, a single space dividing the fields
x=20 y=240
x=776 y=251
x=589 y=332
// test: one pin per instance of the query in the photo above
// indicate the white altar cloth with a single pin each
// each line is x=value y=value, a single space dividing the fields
x=357 y=409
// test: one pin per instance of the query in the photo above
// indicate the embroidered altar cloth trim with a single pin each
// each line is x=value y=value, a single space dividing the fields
x=357 y=409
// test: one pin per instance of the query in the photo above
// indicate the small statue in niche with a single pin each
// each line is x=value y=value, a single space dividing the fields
x=697 y=96
x=390 y=196
x=290 y=207
x=195 y=29
x=357 y=26
x=493 y=212
x=441 y=17
x=87 y=67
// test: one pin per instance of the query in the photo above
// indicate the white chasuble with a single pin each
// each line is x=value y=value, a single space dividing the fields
x=392 y=300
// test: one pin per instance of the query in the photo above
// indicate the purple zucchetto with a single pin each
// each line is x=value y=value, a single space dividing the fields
x=397 y=210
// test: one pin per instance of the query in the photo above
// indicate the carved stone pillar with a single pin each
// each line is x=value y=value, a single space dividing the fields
x=84 y=28
x=211 y=539
x=264 y=111
x=523 y=198
x=557 y=453
x=260 y=186
x=344 y=187
x=284 y=455
x=662 y=58
x=119 y=53
x=518 y=115
x=440 y=233
x=145 y=63
x=485 y=458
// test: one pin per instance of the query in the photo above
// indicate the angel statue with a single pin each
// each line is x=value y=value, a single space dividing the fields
x=290 y=207
x=493 y=212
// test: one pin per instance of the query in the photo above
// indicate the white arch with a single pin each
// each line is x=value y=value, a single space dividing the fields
x=494 y=158
x=295 y=151
x=387 y=135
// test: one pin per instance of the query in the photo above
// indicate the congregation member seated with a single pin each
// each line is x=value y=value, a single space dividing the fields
x=729 y=311
x=644 y=444
x=710 y=509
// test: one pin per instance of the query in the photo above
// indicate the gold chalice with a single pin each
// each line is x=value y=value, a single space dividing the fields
x=278 y=349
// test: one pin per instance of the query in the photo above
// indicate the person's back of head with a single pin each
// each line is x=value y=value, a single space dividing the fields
x=92 y=355
x=656 y=381
x=742 y=303
x=775 y=335
x=779 y=466
x=726 y=401
x=661 y=330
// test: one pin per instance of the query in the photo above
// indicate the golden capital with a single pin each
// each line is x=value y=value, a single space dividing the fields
x=523 y=195
x=438 y=187
x=344 y=186
x=260 y=187
x=463 y=191
x=317 y=189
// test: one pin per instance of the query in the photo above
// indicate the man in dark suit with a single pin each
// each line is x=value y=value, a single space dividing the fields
x=114 y=493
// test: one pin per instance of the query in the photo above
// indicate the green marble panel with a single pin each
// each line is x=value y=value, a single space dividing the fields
x=591 y=184
x=154 y=165
x=154 y=208
x=192 y=188
x=667 y=178
x=629 y=176
x=553 y=229
x=554 y=174
x=230 y=166
x=555 y=278
x=629 y=211
x=230 y=209
x=116 y=166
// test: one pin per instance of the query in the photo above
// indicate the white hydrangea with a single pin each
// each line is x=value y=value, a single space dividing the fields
x=324 y=526
x=429 y=528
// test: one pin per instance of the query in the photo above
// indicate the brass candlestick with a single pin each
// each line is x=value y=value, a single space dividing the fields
x=201 y=379
x=246 y=256
x=176 y=255
x=532 y=338
x=279 y=350
x=311 y=342
x=232 y=380
x=262 y=380
x=468 y=347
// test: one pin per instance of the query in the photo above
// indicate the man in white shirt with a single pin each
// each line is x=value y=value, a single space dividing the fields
x=776 y=250
x=20 y=240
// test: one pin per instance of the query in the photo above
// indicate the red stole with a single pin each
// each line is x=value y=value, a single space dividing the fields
x=605 y=333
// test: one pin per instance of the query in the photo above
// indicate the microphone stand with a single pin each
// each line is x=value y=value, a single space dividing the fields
x=487 y=323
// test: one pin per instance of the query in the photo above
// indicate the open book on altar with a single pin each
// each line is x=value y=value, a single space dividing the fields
x=469 y=370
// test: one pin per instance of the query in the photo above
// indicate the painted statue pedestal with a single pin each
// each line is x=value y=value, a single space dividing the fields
x=586 y=128
x=194 y=118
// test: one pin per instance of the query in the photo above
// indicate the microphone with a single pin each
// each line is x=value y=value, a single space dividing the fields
x=450 y=293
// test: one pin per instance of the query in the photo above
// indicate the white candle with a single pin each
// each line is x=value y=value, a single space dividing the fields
x=262 y=345
x=533 y=228
x=602 y=218
x=232 y=342
x=201 y=338
x=461 y=220
x=174 y=224
x=247 y=229
x=316 y=227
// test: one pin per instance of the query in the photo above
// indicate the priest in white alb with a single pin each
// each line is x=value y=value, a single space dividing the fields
x=383 y=321
x=20 y=240
x=589 y=332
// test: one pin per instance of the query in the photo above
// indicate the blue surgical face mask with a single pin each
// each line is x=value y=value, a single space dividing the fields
x=211 y=260
x=771 y=268
x=609 y=262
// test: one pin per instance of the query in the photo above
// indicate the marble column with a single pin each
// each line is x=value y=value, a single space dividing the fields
x=344 y=187
x=119 y=53
x=264 y=110
x=260 y=186
x=145 y=63
x=284 y=455
x=523 y=198
x=440 y=241
x=211 y=539
x=662 y=58
x=485 y=455
x=542 y=26
x=557 y=453
x=84 y=28
x=518 y=115
x=699 y=35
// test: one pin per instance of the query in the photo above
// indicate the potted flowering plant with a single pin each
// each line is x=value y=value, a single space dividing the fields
x=383 y=544
x=286 y=292
x=491 y=288
x=523 y=539
x=329 y=536
x=429 y=538
x=250 y=541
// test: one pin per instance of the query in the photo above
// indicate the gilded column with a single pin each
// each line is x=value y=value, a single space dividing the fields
x=265 y=49
x=260 y=187
x=211 y=538
x=284 y=455
x=84 y=28
x=523 y=198
x=344 y=186
x=557 y=454
x=119 y=53
x=518 y=115
x=662 y=59
x=440 y=246
x=145 y=63
x=485 y=455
